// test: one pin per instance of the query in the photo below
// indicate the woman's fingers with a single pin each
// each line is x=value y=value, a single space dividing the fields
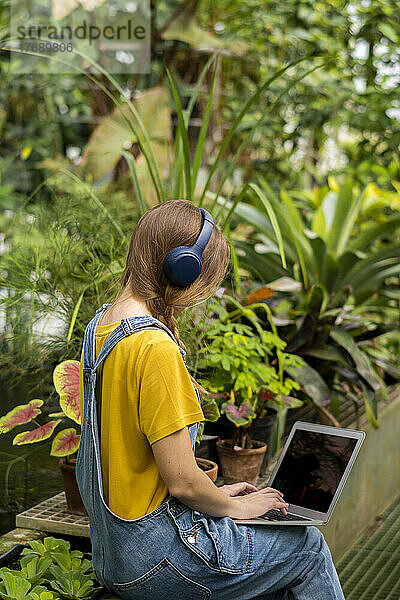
x=258 y=503
x=241 y=488
x=272 y=495
x=267 y=490
x=250 y=487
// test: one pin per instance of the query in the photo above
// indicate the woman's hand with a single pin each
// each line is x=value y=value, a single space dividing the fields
x=255 y=504
x=187 y=482
x=238 y=489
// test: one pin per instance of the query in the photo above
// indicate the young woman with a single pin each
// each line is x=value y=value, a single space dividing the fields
x=160 y=529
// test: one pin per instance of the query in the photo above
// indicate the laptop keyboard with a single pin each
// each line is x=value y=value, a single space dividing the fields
x=275 y=515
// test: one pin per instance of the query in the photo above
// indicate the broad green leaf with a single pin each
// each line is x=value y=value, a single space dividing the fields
x=318 y=224
x=285 y=284
x=361 y=360
x=296 y=218
x=34 y=567
x=290 y=402
x=342 y=210
x=333 y=184
x=316 y=296
x=389 y=32
x=185 y=29
x=210 y=409
x=311 y=382
x=349 y=220
x=134 y=173
x=330 y=271
x=330 y=353
x=371 y=404
x=16 y=586
x=271 y=214
x=113 y=134
x=40 y=592
x=374 y=232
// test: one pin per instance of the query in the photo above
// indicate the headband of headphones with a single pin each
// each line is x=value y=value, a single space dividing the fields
x=182 y=265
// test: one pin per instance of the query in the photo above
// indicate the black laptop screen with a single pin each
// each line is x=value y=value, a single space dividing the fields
x=312 y=468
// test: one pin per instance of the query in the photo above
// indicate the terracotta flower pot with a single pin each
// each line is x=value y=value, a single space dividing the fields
x=72 y=495
x=240 y=464
x=209 y=467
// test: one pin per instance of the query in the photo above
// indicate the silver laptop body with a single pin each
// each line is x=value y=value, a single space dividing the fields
x=311 y=471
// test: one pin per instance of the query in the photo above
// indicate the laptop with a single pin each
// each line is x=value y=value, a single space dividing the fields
x=311 y=472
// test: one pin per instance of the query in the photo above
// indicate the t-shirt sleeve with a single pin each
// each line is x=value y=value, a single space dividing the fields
x=167 y=399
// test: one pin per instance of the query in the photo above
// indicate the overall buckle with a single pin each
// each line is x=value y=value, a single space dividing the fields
x=87 y=375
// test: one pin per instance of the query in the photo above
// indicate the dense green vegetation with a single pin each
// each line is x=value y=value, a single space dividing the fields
x=286 y=127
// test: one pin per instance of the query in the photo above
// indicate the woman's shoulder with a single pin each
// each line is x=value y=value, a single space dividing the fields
x=154 y=348
x=154 y=339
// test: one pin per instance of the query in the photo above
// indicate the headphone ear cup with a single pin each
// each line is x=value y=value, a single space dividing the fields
x=182 y=266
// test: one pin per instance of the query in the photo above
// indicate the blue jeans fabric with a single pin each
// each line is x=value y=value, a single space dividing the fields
x=177 y=552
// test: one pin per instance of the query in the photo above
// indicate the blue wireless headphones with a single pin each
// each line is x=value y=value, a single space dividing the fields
x=182 y=265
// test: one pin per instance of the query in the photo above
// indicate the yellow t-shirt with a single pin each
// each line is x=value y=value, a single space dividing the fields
x=147 y=394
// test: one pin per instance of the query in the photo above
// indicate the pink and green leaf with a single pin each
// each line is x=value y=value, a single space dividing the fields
x=239 y=415
x=66 y=442
x=210 y=409
x=66 y=381
x=290 y=402
x=36 y=435
x=21 y=414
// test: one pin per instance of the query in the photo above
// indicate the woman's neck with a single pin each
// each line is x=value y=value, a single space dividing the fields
x=123 y=307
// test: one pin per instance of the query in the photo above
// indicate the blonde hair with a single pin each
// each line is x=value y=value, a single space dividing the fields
x=159 y=230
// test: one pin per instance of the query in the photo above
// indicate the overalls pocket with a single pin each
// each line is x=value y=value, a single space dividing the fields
x=164 y=581
x=216 y=547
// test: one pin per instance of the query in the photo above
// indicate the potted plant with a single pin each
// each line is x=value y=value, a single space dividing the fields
x=248 y=387
x=65 y=442
x=208 y=466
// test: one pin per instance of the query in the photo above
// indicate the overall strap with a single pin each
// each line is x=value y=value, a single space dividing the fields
x=89 y=345
x=126 y=327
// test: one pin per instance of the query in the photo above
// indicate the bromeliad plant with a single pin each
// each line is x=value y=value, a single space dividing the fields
x=48 y=569
x=66 y=442
x=246 y=366
x=340 y=274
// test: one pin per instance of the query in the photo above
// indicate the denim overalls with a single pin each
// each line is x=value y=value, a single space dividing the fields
x=176 y=553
